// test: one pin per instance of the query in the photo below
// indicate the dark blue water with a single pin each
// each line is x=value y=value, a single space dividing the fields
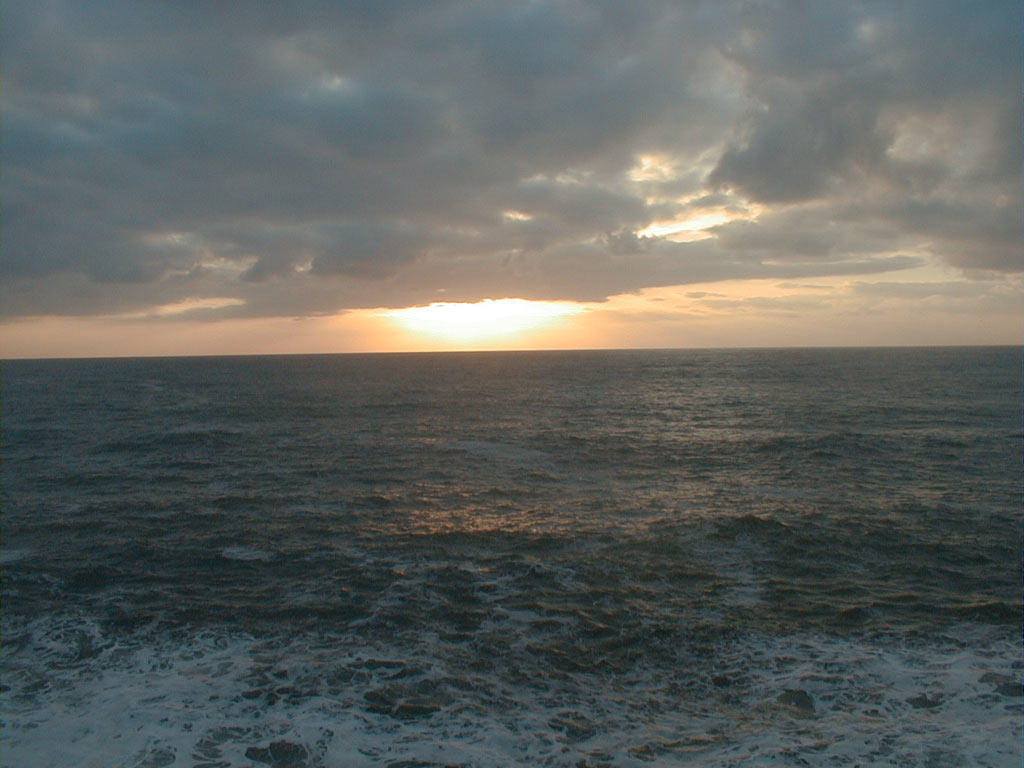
x=720 y=558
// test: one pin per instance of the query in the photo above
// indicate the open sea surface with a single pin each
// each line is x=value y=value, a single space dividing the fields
x=587 y=559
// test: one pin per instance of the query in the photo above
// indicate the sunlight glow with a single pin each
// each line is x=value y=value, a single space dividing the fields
x=182 y=307
x=516 y=215
x=653 y=168
x=687 y=229
x=482 y=321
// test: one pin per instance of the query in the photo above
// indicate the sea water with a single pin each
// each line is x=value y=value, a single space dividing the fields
x=656 y=558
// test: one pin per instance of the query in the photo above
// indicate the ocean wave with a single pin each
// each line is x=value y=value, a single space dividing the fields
x=72 y=693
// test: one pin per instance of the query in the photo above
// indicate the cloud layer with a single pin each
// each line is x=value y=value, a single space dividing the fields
x=306 y=158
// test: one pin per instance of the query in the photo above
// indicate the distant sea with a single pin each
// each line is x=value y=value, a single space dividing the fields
x=637 y=558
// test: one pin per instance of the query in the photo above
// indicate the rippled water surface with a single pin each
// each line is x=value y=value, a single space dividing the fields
x=722 y=558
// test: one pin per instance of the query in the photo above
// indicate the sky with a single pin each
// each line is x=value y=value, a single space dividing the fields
x=186 y=177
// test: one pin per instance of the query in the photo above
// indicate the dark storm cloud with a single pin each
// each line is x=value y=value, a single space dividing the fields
x=904 y=116
x=309 y=157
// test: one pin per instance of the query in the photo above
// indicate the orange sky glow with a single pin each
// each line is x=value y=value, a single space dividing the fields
x=740 y=313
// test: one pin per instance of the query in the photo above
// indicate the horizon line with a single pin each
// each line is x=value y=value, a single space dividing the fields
x=498 y=351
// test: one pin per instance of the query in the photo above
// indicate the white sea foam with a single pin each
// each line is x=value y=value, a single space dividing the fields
x=214 y=697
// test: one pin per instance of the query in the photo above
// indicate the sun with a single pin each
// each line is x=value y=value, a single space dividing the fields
x=489 y=320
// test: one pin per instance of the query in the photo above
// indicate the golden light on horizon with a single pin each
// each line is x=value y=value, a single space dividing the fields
x=481 y=322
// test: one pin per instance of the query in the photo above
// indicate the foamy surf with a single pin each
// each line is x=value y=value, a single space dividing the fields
x=77 y=697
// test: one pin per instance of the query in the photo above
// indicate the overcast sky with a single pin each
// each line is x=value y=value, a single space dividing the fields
x=295 y=160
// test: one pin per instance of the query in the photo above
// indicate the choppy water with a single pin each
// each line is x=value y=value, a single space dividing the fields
x=729 y=558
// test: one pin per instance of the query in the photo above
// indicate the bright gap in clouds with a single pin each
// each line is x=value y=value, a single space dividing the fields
x=482 y=321
x=184 y=306
x=685 y=230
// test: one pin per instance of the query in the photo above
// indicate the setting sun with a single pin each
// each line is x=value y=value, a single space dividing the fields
x=481 y=321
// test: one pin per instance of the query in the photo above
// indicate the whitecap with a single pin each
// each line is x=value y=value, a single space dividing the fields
x=12 y=555
x=492 y=451
x=246 y=553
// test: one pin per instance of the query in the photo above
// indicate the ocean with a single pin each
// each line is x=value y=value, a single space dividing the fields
x=586 y=559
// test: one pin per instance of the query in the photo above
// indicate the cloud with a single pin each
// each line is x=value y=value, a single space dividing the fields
x=904 y=119
x=319 y=156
